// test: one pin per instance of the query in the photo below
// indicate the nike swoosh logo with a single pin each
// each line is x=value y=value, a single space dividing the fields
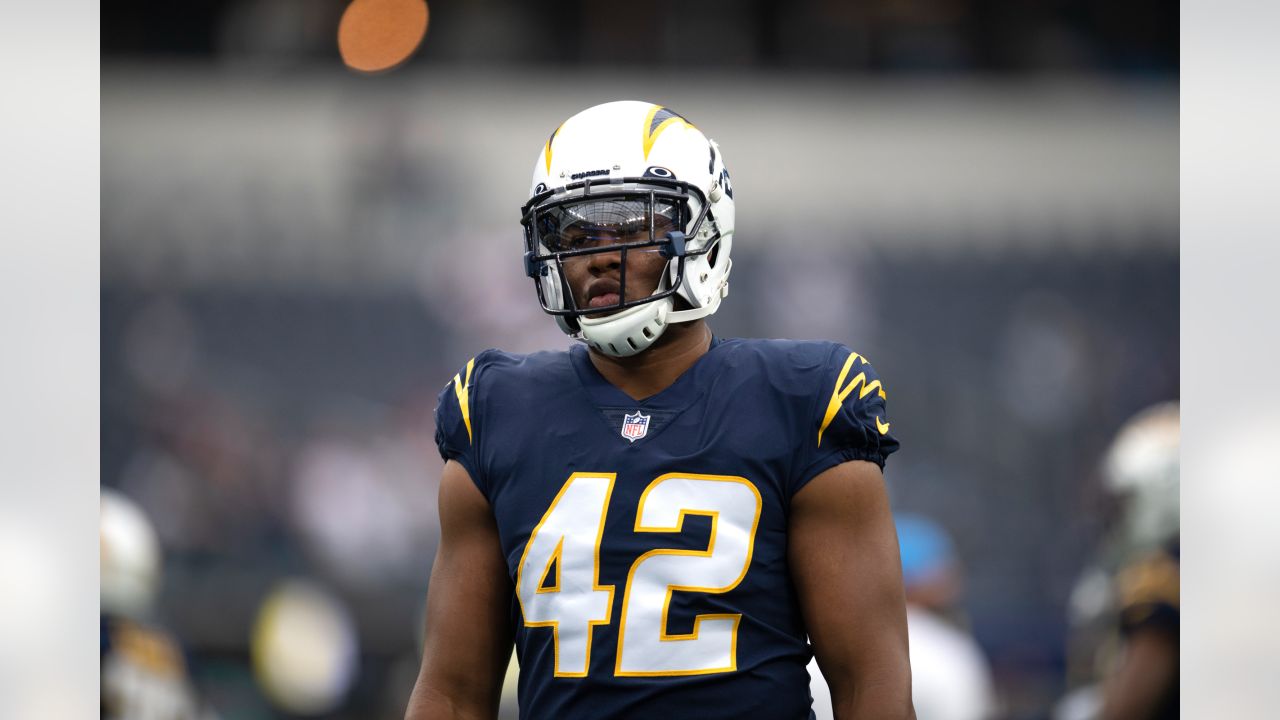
x=883 y=427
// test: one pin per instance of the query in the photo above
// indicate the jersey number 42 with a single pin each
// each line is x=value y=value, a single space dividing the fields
x=558 y=580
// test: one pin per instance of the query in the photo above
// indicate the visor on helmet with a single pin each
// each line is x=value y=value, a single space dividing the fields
x=586 y=221
x=601 y=223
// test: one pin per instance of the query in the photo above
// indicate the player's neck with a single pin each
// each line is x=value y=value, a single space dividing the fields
x=654 y=370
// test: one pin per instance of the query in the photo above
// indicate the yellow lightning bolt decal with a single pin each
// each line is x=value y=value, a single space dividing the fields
x=655 y=124
x=462 y=388
x=547 y=150
x=839 y=394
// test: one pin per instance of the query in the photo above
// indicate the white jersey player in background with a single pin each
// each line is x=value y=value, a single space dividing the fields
x=950 y=676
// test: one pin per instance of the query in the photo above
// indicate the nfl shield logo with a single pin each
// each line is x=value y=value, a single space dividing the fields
x=635 y=426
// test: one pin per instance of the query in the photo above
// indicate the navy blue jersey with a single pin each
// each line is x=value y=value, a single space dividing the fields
x=647 y=540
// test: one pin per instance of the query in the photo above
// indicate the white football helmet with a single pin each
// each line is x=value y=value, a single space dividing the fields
x=1141 y=468
x=129 y=556
x=633 y=177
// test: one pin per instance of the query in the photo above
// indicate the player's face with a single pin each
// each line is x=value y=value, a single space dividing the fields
x=596 y=278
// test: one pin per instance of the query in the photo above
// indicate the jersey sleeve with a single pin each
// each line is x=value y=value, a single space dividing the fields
x=456 y=424
x=849 y=420
x=1149 y=594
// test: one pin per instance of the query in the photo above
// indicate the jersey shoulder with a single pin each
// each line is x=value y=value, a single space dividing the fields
x=493 y=377
x=844 y=400
x=777 y=350
x=1149 y=594
x=793 y=368
x=143 y=672
x=807 y=368
x=141 y=644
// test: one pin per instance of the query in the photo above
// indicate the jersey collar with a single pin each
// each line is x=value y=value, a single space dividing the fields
x=678 y=396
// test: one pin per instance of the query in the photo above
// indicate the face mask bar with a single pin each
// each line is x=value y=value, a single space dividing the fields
x=548 y=248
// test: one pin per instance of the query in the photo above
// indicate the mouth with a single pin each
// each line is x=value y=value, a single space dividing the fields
x=604 y=293
x=605 y=300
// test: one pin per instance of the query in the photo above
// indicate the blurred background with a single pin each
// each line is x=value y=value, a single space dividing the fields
x=981 y=196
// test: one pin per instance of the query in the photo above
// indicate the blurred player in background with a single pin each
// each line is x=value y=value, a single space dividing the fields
x=660 y=518
x=144 y=674
x=950 y=676
x=1125 y=608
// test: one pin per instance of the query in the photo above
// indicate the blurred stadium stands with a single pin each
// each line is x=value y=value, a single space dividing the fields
x=881 y=36
x=982 y=197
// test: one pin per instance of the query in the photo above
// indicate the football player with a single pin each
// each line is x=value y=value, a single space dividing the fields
x=665 y=522
x=144 y=673
x=1126 y=606
x=950 y=676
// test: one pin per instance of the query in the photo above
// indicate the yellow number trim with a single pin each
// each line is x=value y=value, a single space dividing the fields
x=595 y=572
x=839 y=394
x=462 y=388
x=666 y=603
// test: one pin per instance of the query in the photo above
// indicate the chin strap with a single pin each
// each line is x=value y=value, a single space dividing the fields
x=679 y=316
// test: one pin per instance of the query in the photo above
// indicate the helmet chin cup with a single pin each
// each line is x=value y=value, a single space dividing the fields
x=628 y=332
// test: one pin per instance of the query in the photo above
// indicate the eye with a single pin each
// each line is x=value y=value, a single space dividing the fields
x=574 y=237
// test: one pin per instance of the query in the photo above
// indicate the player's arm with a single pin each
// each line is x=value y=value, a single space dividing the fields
x=468 y=628
x=1148 y=669
x=843 y=553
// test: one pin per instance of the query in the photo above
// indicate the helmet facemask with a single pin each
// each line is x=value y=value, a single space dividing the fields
x=624 y=217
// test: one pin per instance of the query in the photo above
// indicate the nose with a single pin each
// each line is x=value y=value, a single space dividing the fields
x=600 y=263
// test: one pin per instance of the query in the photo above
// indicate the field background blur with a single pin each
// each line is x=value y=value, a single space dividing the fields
x=979 y=195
